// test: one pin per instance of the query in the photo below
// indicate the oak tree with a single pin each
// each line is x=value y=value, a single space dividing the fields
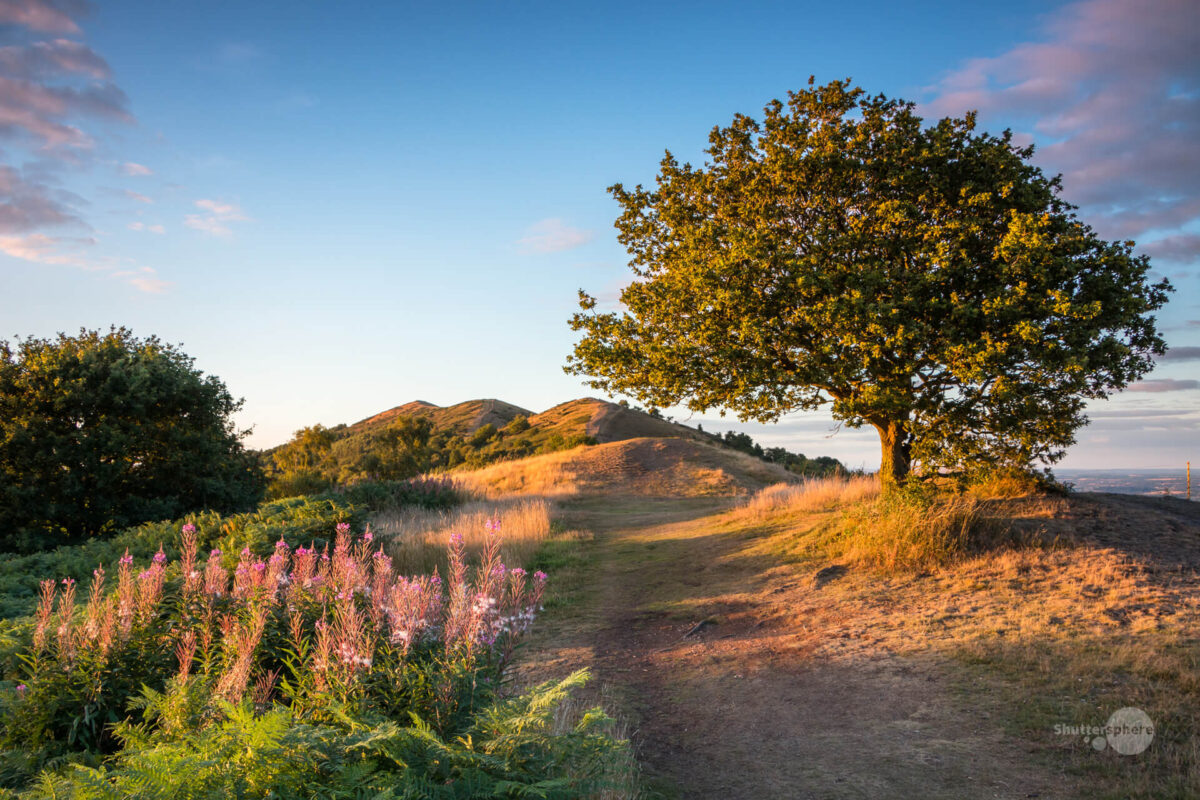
x=929 y=281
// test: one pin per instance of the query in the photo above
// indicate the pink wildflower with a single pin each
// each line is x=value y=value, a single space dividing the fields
x=45 y=609
x=187 y=560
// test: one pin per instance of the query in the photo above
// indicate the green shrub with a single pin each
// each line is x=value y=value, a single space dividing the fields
x=101 y=431
x=510 y=748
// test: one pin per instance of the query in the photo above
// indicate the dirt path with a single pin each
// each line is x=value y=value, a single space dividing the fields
x=734 y=695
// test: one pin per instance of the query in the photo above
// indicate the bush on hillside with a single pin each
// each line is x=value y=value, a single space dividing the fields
x=101 y=431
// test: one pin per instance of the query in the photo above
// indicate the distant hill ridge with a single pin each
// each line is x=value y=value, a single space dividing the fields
x=420 y=437
x=589 y=416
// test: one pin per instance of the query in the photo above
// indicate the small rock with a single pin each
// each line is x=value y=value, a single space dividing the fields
x=827 y=574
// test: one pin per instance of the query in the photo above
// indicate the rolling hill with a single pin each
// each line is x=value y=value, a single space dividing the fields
x=420 y=437
x=589 y=416
x=646 y=467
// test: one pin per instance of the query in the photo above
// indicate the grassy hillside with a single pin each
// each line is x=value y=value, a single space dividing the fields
x=643 y=467
x=461 y=418
x=419 y=437
x=588 y=416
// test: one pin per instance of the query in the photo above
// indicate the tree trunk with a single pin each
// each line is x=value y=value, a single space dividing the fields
x=896 y=444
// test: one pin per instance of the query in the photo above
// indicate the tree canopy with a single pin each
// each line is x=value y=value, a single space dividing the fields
x=928 y=281
x=101 y=431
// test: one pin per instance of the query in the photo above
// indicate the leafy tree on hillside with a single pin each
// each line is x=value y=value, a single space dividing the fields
x=101 y=431
x=928 y=281
x=397 y=451
x=518 y=425
x=796 y=462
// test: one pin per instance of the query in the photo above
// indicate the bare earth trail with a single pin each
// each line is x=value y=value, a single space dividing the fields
x=734 y=693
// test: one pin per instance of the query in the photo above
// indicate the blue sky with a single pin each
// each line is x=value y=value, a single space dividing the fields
x=338 y=208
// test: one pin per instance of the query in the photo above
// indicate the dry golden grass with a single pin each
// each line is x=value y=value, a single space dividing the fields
x=1072 y=608
x=1005 y=485
x=817 y=494
x=549 y=475
x=903 y=533
x=416 y=538
x=899 y=535
x=645 y=467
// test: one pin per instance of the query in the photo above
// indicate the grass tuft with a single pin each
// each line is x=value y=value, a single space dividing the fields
x=818 y=494
x=906 y=534
x=416 y=538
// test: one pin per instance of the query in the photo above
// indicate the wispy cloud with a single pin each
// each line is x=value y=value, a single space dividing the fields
x=136 y=170
x=137 y=196
x=47 y=87
x=1111 y=90
x=1181 y=354
x=216 y=218
x=141 y=226
x=553 y=236
x=143 y=279
x=51 y=88
x=37 y=15
x=27 y=205
x=1160 y=385
x=43 y=249
x=53 y=59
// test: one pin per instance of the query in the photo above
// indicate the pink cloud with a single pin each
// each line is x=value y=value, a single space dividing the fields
x=1184 y=247
x=27 y=205
x=553 y=236
x=42 y=249
x=141 y=226
x=49 y=89
x=1111 y=90
x=143 y=279
x=150 y=285
x=36 y=15
x=1181 y=354
x=216 y=221
x=55 y=58
x=1159 y=385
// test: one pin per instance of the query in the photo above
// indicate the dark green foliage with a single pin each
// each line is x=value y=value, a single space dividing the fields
x=507 y=748
x=795 y=462
x=519 y=424
x=101 y=431
x=421 y=492
x=318 y=459
x=927 y=281
x=400 y=450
